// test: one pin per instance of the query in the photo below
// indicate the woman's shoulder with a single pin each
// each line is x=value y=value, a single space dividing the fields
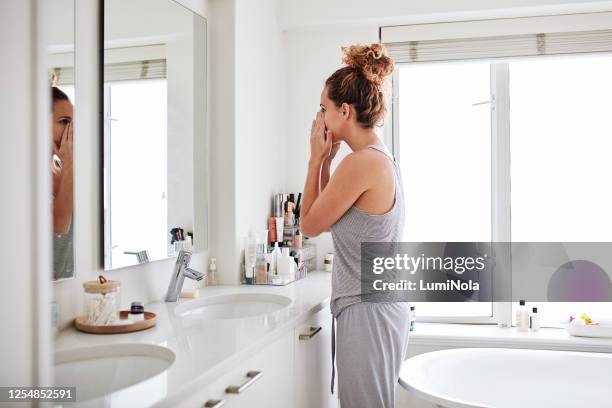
x=362 y=168
x=369 y=161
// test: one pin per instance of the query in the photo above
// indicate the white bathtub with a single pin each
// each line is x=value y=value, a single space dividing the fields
x=510 y=378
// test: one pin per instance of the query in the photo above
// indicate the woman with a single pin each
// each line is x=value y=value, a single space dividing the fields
x=61 y=169
x=362 y=201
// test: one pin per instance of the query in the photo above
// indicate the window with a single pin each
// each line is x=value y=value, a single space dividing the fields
x=560 y=148
x=505 y=137
x=136 y=134
x=445 y=157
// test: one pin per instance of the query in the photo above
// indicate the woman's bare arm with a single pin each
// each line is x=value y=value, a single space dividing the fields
x=321 y=208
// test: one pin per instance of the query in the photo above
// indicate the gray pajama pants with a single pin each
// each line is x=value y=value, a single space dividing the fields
x=371 y=344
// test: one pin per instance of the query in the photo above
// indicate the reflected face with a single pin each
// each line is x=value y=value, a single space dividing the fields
x=333 y=116
x=62 y=116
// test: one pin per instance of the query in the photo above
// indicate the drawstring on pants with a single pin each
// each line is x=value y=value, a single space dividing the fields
x=333 y=352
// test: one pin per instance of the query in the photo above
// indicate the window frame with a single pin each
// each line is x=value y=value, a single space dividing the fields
x=501 y=312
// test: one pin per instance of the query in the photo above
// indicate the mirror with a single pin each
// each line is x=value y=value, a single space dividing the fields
x=154 y=166
x=60 y=67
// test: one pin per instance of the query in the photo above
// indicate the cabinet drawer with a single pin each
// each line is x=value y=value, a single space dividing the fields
x=244 y=387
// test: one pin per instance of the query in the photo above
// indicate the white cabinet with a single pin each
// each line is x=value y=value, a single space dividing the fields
x=295 y=371
x=312 y=363
x=271 y=388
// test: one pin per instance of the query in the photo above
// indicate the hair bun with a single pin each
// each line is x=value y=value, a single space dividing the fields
x=373 y=61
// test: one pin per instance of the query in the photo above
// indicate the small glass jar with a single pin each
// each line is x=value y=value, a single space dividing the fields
x=102 y=302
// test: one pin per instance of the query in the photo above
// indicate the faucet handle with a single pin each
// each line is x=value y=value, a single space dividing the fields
x=193 y=274
x=184 y=257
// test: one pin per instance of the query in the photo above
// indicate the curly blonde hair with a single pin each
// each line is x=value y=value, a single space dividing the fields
x=361 y=82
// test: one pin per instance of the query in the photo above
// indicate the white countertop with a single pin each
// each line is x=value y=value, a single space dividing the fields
x=206 y=349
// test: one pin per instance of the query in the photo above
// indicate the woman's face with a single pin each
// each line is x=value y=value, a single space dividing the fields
x=334 y=116
x=62 y=116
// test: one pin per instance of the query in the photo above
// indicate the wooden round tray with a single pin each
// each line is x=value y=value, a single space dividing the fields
x=150 y=320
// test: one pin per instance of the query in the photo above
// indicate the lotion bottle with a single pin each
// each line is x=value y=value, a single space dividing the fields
x=284 y=265
x=276 y=253
x=212 y=272
x=517 y=313
x=250 y=257
x=534 y=320
x=523 y=317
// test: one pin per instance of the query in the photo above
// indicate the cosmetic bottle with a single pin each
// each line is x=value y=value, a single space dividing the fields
x=297 y=239
x=136 y=313
x=271 y=229
x=295 y=257
x=264 y=240
x=291 y=203
x=250 y=257
x=261 y=266
x=534 y=320
x=278 y=217
x=212 y=272
x=288 y=226
x=517 y=313
x=274 y=255
x=522 y=315
x=329 y=262
x=285 y=265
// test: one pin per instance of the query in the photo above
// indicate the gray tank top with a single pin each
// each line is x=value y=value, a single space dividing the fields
x=353 y=228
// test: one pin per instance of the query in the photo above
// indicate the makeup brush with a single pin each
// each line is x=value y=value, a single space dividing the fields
x=297 y=205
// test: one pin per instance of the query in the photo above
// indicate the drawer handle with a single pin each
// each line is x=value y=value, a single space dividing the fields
x=252 y=376
x=214 y=403
x=313 y=331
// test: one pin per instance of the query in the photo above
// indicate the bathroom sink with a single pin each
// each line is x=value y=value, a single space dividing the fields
x=101 y=370
x=233 y=306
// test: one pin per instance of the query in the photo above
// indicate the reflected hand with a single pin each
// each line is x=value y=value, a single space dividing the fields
x=56 y=170
x=65 y=148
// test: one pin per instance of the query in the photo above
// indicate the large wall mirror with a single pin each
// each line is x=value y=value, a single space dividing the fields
x=154 y=167
x=59 y=37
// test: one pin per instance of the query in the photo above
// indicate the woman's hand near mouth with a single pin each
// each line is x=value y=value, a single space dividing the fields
x=320 y=140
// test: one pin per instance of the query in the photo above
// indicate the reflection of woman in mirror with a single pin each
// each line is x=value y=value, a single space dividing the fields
x=62 y=186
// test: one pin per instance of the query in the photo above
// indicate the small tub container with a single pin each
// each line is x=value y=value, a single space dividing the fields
x=102 y=302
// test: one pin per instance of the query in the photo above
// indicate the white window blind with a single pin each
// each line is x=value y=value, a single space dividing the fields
x=119 y=71
x=487 y=39
x=123 y=71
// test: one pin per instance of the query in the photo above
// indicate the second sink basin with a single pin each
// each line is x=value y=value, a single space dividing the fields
x=233 y=306
x=101 y=370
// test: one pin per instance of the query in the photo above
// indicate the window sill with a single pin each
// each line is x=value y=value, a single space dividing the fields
x=481 y=335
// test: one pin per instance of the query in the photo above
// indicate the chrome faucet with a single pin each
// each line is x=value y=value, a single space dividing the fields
x=181 y=270
x=142 y=256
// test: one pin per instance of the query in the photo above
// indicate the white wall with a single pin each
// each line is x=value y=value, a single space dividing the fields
x=312 y=55
x=260 y=113
x=222 y=199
